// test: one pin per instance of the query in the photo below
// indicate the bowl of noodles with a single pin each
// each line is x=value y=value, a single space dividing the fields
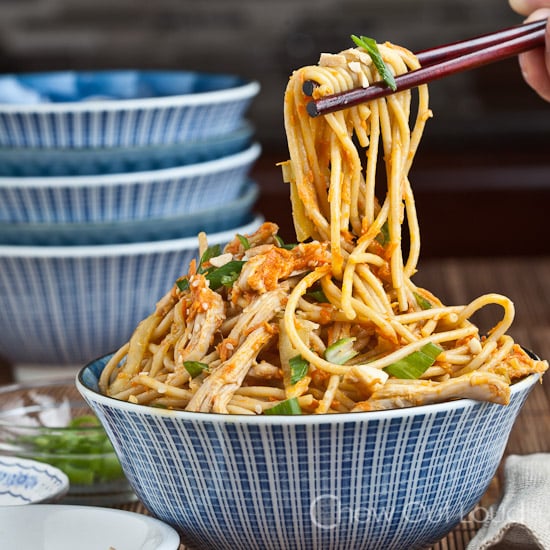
x=310 y=394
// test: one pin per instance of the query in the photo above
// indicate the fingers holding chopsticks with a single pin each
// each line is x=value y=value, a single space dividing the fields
x=535 y=64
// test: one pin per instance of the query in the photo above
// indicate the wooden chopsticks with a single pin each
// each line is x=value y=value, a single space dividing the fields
x=439 y=62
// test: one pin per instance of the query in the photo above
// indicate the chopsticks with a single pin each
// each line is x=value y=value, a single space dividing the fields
x=437 y=63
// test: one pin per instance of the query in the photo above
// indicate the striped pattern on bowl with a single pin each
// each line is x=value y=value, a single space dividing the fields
x=397 y=479
x=116 y=197
x=67 y=305
x=203 y=106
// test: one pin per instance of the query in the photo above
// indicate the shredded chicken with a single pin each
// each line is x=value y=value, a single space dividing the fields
x=205 y=314
x=482 y=386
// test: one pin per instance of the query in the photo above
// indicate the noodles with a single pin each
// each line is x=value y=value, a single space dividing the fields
x=334 y=323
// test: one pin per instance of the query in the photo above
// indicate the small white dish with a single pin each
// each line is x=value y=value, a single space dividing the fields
x=66 y=527
x=24 y=481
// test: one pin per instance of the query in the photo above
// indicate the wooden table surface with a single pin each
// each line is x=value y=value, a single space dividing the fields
x=526 y=280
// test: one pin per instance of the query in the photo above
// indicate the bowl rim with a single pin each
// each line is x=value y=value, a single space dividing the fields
x=41 y=467
x=247 y=156
x=245 y=89
x=281 y=420
x=124 y=249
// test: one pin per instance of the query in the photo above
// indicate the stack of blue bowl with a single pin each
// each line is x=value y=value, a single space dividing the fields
x=106 y=178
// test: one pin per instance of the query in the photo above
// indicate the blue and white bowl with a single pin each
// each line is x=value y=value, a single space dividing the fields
x=65 y=305
x=24 y=481
x=399 y=479
x=31 y=162
x=127 y=196
x=124 y=108
x=210 y=220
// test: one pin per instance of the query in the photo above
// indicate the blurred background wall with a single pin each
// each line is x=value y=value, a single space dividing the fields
x=490 y=131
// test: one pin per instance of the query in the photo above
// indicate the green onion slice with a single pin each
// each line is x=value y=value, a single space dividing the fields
x=415 y=365
x=281 y=243
x=422 y=302
x=384 y=236
x=341 y=351
x=244 y=241
x=298 y=368
x=290 y=406
x=371 y=47
x=194 y=368
x=210 y=252
x=225 y=275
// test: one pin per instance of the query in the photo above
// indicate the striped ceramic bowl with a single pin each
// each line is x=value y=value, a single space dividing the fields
x=397 y=480
x=21 y=162
x=211 y=220
x=122 y=108
x=129 y=196
x=69 y=304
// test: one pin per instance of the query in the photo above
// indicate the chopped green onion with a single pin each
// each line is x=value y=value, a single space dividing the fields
x=225 y=275
x=384 y=236
x=422 y=302
x=341 y=351
x=290 y=406
x=210 y=252
x=416 y=364
x=81 y=449
x=244 y=241
x=281 y=243
x=371 y=47
x=298 y=368
x=183 y=284
x=316 y=293
x=194 y=368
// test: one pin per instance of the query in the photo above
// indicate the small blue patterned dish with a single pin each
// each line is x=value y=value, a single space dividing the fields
x=30 y=162
x=211 y=220
x=24 y=481
x=65 y=305
x=399 y=479
x=127 y=196
x=124 y=108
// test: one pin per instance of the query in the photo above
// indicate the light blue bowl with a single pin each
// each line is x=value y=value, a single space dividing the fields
x=64 y=305
x=211 y=220
x=399 y=479
x=128 y=196
x=124 y=108
x=31 y=162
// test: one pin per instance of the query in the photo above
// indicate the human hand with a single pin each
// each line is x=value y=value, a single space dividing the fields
x=535 y=64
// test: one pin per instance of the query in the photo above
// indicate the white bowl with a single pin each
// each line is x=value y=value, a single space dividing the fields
x=66 y=527
x=70 y=304
x=119 y=108
x=24 y=481
x=129 y=196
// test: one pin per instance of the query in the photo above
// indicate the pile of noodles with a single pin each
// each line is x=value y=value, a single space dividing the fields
x=334 y=323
